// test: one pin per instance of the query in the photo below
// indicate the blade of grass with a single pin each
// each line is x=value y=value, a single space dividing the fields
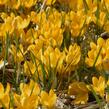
x=6 y=56
x=36 y=73
x=97 y=57
x=11 y=100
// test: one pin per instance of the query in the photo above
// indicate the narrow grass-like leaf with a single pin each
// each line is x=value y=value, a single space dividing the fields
x=44 y=73
x=11 y=100
x=97 y=57
x=6 y=56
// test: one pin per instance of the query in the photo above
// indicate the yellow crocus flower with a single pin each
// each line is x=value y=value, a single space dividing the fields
x=36 y=48
x=77 y=20
x=92 y=5
x=29 y=102
x=29 y=68
x=80 y=91
x=49 y=2
x=4 y=96
x=105 y=3
x=99 y=85
x=29 y=96
x=102 y=47
x=53 y=57
x=73 y=53
x=7 y=26
x=73 y=57
x=29 y=3
x=31 y=88
x=15 y=4
x=48 y=99
x=3 y=2
x=21 y=23
x=17 y=53
x=72 y=4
